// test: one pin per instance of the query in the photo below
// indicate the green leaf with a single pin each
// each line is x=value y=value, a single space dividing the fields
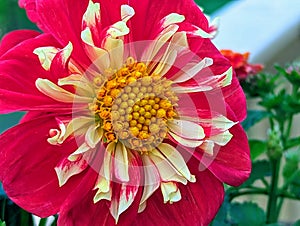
x=257 y=147
x=247 y=214
x=260 y=169
x=291 y=165
x=297 y=223
x=253 y=117
x=2 y=223
x=295 y=185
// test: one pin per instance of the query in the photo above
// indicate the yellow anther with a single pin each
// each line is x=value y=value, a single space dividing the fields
x=145 y=128
x=131 y=79
x=151 y=102
x=123 y=135
x=148 y=107
x=133 y=123
x=135 y=90
x=111 y=84
x=141 y=120
x=134 y=131
x=147 y=122
x=130 y=61
x=147 y=115
x=135 y=115
x=161 y=113
x=124 y=105
x=107 y=126
x=124 y=97
x=110 y=136
x=156 y=106
x=101 y=93
x=141 y=67
x=143 y=135
x=108 y=100
x=143 y=102
x=93 y=107
x=154 y=128
x=146 y=81
x=139 y=126
x=153 y=112
x=115 y=92
x=142 y=111
x=104 y=113
x=136 y=108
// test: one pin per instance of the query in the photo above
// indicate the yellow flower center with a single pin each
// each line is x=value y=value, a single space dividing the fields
x=133 y=106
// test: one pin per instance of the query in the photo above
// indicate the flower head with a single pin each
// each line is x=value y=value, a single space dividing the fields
x=133 y=114
x=240 y=64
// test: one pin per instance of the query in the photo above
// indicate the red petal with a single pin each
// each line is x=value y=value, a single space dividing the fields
x=12 y=39
x=232 y=163
x=19 y=69
x=199 y=203
x=27 y=164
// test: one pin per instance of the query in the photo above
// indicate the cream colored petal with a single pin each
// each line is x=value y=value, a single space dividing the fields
x=93 y=135
x=208 y=147
x=158 y=42
x=186 y=142
x=46 y=55
x=126 y=12
x=79 y=82
x=190 y=70
x=98 y=56
x=176 y=159
x=170 y=192
x=67 y=168
x=151 y=180
x=221 y=139
x=50 y=89
x=92 y=14
x=59 y=133
x=80 y=150
x=186 y=129
x=209 y=83
x=172 y=18
x=166 y=171
x=200 y=32
x=219 y=122
x=103 y=188
x=121 y=163
x=78 y=126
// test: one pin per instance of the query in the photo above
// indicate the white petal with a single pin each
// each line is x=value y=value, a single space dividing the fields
x=80 y=150
x=186 y=142
x=67 y=168
x=222 y=139
x=46 y=55
x=166 y=171
x=186 y=129
x=104 y=190
x=200 y=32
x=50 y=89
x=121 y=163
x=190 y=70
x=172 y=18
x=126 y=12
x=92 y=14
x=176 y=159
x=151 y=177
x=98 y=56
x=58 y=138
x=93 y=135
x=170 y=192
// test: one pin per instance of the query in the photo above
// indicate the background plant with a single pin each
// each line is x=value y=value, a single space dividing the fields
x=276 y=159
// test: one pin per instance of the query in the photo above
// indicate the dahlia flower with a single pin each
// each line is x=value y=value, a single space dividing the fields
x=132 y=114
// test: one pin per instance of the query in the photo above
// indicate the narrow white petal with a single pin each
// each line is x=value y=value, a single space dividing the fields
x=92 y=14
x=121 y=163
x=222 y=139
x=126 y=12
x=170 y=192
x=50 y=89
x=186 y=129
x=186 y=142
x=80 y=150
x=176 y=159
x=166 y=171
x=93 y=135
x=172 y=18
x=46 y=55
x=190 y=70
x=151 y=177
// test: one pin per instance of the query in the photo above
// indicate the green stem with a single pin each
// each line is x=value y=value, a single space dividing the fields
x=272 y=213
x=43 y=222
x=257 y=191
